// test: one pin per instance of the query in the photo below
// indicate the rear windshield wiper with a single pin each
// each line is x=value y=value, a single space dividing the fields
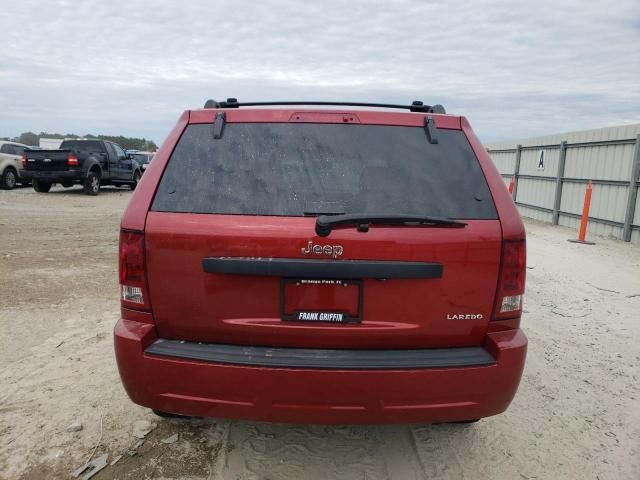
x=325 y=223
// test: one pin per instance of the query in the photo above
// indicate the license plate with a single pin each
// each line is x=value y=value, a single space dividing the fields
x=320 y=301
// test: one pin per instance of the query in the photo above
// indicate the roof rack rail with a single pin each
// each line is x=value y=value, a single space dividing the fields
x=416 y=105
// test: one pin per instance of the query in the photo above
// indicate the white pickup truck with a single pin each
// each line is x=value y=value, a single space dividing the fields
x=10 y=165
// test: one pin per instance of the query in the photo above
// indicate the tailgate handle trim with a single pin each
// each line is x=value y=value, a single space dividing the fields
x=301 y=268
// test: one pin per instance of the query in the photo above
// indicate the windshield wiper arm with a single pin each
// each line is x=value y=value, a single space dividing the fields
x=325 y=223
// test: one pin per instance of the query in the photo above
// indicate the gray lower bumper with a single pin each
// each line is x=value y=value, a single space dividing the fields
x=332 y=359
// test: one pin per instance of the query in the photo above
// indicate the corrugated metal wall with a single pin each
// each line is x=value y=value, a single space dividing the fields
x=552 y=189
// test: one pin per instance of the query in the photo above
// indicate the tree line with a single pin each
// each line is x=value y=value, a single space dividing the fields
x=128 y=143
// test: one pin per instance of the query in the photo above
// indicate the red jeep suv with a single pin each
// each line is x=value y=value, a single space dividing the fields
x=287 y=263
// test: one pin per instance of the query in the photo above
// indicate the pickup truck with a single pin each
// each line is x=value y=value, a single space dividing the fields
x=143 y=158
x=10 y=166
x=90 y=163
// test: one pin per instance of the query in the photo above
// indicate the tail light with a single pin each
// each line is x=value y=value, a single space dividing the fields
x=24 y=160
x=72 y=160
x=511 y=281
x=133 y=275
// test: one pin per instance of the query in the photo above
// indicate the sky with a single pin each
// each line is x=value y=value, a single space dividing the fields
x=515 y=69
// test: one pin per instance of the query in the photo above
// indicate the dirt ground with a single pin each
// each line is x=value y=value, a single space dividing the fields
x=576 y=415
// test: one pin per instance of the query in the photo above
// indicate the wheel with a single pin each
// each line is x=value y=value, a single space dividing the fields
x=8 y=179
x=162 y=414
x=92 y=184
x=41 y=186
x=67 y=184
x=136 y=179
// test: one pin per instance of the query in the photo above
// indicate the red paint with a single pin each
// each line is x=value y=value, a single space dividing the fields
x=187 y=303
x=318 y=396
x=240 y=115
x=512 y=183
x=398 y=313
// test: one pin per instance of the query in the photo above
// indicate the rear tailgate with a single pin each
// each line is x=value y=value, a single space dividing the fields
x=47 y=160
x=240 y=200
x=189 y=303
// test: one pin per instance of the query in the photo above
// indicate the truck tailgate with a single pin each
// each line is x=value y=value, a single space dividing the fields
x=46 y=160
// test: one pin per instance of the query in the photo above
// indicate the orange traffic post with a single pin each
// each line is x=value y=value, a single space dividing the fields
x=511 y=185
x=585 y=217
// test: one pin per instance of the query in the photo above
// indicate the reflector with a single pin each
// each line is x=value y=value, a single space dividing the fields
x=132 y=294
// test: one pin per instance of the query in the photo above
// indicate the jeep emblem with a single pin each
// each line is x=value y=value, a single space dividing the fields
x=330 y=250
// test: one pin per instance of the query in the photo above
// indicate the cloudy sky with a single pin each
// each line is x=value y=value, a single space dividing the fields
x=515 y=69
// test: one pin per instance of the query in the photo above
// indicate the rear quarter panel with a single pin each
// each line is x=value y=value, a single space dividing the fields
x=512 y=226
x=136 y=213
x=7 y=160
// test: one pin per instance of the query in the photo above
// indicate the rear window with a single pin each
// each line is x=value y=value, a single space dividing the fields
x=85 y=146
x=295 y=169
x=141 y=158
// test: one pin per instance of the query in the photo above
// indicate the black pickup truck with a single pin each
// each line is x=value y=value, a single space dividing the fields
x=90 y=163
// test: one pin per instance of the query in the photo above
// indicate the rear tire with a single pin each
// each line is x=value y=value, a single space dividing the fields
x=8 y=179
x=41 y=186
x=92 y=184
x=136 y=179
x=162 y=414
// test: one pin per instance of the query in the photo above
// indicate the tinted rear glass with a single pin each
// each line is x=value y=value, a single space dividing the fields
x=87 y=146
x=291 y=169
x=141 y=158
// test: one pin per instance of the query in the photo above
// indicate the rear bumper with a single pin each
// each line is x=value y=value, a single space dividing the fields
x=53 y=176
x=316 y=395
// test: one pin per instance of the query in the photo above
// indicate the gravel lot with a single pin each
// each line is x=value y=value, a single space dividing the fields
x=576 y=415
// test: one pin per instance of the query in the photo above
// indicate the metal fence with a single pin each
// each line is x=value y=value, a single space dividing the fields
x=550 y=176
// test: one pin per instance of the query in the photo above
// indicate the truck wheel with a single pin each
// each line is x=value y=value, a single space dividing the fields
x=8 y=179
x=136 y=179
x=41 y=186
x=92 y=184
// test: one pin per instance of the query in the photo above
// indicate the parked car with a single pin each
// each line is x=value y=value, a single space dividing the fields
x=143 y=159
x=322 y=266
x=10 y=165
x=90 y=163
